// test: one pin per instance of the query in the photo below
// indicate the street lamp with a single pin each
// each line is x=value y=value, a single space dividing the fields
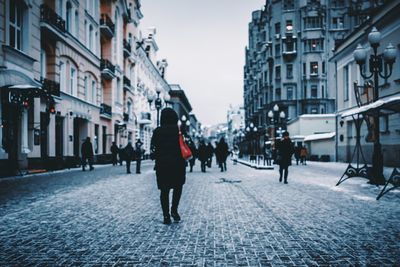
x=251 y=131
x=378 y=66
x=276 y=117
x=157 y=102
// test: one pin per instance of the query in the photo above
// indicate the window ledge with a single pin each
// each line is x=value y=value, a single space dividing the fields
x=12 y=54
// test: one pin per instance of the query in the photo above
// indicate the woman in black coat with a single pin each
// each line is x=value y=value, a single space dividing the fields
x=284 y=156
x=169 y=164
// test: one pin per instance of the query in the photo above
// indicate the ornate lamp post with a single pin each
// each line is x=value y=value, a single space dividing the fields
x=378 y=67
x=277 y=118
x=158 y=103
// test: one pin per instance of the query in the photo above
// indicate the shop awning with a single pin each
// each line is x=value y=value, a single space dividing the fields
x=17 y=80
x=390 y=104
x=322 y=136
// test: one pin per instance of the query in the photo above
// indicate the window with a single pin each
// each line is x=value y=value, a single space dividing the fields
x=76 y=29
x=323 y=67
x=337 y=23
x=129 y=109
x=290 y=46
x=277 y=50
x=118 y=97
x=304 y=69
x=312 y=22
x=73 y=82
x=289 y=71
x=15 y=24
x=314 y=68
x=289 y=25
x=68 y=17
x=288 y=4
x=322 y=91
x=278 y=94
x=314 y=91
x=94 y=92
x=85 y=84
x=43 y=66
x=311 y=45
x=346 y=80
x=305 y=91
x=90 y=37
x=277 y=72
x=384 y=124
x=277 y=28
x=290 y=93
x=62 y=76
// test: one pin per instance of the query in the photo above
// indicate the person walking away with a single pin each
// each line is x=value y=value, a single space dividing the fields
x=138 y=155
x=235 y=155
x=303 y=155
x=170 y=166
x=120 y=155
x=192 y=147
x=87 y=154
x=297 y=150
x=128 y=153
x=222 y=152
x=210 y=154
x=203 y=155
x=284 y=156
x=267 y=153
x=114 y=153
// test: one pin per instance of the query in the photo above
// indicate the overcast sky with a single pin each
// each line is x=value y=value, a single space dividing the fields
x=204 y=44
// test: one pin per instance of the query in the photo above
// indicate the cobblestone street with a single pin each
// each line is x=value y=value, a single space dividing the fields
x=243 y=217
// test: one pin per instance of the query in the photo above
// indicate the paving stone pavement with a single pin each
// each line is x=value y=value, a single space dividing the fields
x=242 y=217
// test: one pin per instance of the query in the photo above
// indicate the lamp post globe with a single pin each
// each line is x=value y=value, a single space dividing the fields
x=276 y=107
x=389 y=55
x=374 y=37
x=360 y=54
x=183 y=118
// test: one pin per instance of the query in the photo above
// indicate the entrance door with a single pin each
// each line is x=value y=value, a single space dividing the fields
x=43 y=135
x=76 y=137
x=59 y=136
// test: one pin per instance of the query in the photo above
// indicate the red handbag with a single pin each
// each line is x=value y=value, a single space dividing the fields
x=185 y=150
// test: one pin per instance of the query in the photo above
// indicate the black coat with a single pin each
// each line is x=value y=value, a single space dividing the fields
x=170 y=166
x=128 y=152
x=285 y=152
x=222 y=151
x=202 y=152
x=87 y=149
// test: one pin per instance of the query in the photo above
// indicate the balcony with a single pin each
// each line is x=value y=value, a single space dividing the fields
x=127 y=49
x=126 y=116
x=107 y=69
x=127 y=83
x=51 y=87
x=51 y=22
x=107 y=27
x=105 y=111
x=145 y=118
x=289 y=55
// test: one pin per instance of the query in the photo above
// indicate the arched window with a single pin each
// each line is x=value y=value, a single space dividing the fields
x=85 y=84
x=73 y=79
x=129 y=109
x=94 y=92
x=68 y=16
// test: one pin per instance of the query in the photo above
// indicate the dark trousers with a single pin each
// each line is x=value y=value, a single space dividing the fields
x=203 y=165
x=191 y=164
x=138 y=162
x=128 y=166
x=120 y=160
x=283 y=169
x=164 y=198
x=222 y=165
x=85 y=160
x=209 y=162
x=114 y=159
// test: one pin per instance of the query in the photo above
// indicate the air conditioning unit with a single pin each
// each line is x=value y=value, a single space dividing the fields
x=277 y=36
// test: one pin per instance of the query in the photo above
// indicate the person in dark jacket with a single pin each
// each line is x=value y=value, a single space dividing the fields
x=138 y=155
x=210 y=154
x=222 y=152
x=128 y=152
x=87 y=154
x=193 y=148
x=114 y=153
x=284 y=156
x=170 y=166
x=202 y=153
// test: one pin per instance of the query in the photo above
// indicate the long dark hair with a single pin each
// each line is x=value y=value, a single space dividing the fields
x=168 y=117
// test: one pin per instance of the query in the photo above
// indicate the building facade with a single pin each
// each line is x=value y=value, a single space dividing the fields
x=236 y=124
x=70 y=70
x=287 y=58
x=349 y=81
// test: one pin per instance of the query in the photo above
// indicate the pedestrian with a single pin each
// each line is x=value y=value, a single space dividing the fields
x=128 y=153
x=193 y=148
x=303 y=155
x=222 y=152
x=138 y=154
x=210 y=154
x=267 y=153
x=284 y=154
x=87 y=154
x=170 y=166
x=203 y=155
x=120 y=154
x=297 y=150
x=114 y=152
x=235 y=155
